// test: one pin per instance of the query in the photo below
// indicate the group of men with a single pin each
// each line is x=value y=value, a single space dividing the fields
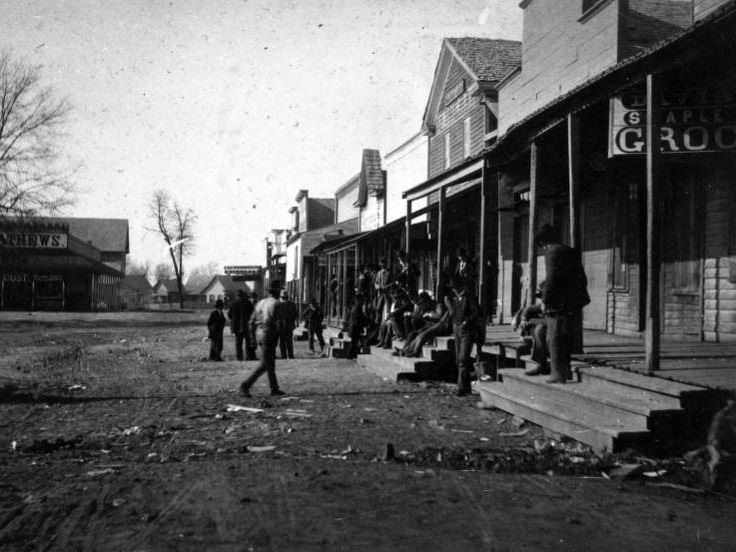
x=240 y=313
x=386 y=308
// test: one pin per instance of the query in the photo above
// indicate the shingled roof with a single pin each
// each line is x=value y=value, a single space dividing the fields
x=489 y=59
x=105 y=234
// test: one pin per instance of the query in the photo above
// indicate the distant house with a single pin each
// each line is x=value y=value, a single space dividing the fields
x=136 y=291
x=223 y=287
x=167 y=291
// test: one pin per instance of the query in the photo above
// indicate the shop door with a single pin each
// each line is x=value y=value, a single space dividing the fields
x=682 y=290
x=17 y=292
x=521 y=253
x=595 y=232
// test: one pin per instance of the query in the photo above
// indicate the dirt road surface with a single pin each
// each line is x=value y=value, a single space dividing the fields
x=116 y=435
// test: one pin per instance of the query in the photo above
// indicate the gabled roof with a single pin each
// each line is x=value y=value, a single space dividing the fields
x=486 y=60
x=109 y=235
x=169 y=283
x=138 y=282
x=230 y=285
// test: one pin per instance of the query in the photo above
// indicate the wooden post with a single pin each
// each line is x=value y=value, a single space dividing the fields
x=485 y=191
x=407 y=245
x=573 y=184
x=533 y=215
x=343 y=312
x=654 y=161
x=441 y=206
x=327 y=301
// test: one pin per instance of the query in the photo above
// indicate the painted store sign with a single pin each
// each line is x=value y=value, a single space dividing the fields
x=33 y=240
x=694 y=120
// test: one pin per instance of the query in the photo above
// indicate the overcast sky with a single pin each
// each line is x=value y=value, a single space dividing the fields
x=235 y=105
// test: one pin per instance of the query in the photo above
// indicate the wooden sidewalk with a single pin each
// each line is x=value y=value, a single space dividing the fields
x=711 y=365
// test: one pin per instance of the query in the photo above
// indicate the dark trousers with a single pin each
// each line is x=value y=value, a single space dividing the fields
x=560 y=338
x=216 y=347
x=312 y=332
x=286 y=343
x=356 y=344
x=414 y=347
x=539 y=352
x=239 y=338
x=464 y=340
x=267 y=344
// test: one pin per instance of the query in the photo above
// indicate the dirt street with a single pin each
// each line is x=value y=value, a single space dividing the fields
x=116 y=435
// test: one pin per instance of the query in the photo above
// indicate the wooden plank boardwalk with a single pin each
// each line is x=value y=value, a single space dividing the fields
x=710 y=365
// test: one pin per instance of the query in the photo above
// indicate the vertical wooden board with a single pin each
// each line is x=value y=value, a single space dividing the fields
x=595 y=229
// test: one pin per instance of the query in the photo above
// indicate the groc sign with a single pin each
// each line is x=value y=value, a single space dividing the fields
x=693 y=120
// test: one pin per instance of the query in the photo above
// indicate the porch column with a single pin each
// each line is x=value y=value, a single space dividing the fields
x=533 y=215
x=654 y=161
x=573 y=181
x=407 y=246
x=343 y=312
x=485 y=192
x=441 y=207
x=327 y=301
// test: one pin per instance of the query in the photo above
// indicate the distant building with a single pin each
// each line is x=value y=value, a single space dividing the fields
x=62 y=263
x=224 y=287
x=136 y=291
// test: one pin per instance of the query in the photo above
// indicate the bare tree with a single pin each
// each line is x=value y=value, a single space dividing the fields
x=133 y=266
x=32 y=178
x=201 y=275
x=163 y=271
x=176 y=225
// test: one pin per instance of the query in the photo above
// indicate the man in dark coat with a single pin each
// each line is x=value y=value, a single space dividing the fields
x=466 y=315
x=286 y=315
x=354 y=324
x=313 y=319
x=215 y=328
x=239 y=315
x=564 y=294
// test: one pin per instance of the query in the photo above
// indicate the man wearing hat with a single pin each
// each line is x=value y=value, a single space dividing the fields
x=354 y=324
x=215 y=327
x=239 y=315
x=564 y=294
x=286 y=315
x=263 y=324
x=465 y=315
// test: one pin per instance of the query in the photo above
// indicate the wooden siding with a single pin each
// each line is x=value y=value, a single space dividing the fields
x=559 y=52
x=702 y=8
x=371 y=216
x=450 y=119
x=344 y=204
x=719 y=293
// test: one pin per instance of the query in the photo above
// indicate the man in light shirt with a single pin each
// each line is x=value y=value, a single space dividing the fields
x=263 y=322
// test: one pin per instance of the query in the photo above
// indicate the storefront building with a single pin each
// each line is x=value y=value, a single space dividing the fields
x=45 y=266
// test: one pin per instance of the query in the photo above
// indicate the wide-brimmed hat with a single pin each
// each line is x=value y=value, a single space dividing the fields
x=219 y=304
x=546 y=234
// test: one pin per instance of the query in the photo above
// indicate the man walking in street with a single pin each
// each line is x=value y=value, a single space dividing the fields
x=239 y=315
x=286 y=317
x=465 y=318
x=263 y=325
x=564 y=294
x=215 y=328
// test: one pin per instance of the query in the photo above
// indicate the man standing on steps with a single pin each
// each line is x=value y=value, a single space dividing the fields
x=565 y=292
x=263 y=325
x=465 y=316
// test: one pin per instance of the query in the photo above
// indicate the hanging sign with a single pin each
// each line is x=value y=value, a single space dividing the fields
x=694 y=120
x=33 y=240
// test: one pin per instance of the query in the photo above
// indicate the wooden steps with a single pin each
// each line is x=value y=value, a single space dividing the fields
x=605 y=408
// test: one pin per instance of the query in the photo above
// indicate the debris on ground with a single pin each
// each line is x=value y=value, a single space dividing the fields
x=516 y=421
x=261 y=448
x=239 y=408
x=514 y=433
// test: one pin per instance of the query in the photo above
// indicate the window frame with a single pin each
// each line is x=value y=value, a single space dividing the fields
x=466 y=137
